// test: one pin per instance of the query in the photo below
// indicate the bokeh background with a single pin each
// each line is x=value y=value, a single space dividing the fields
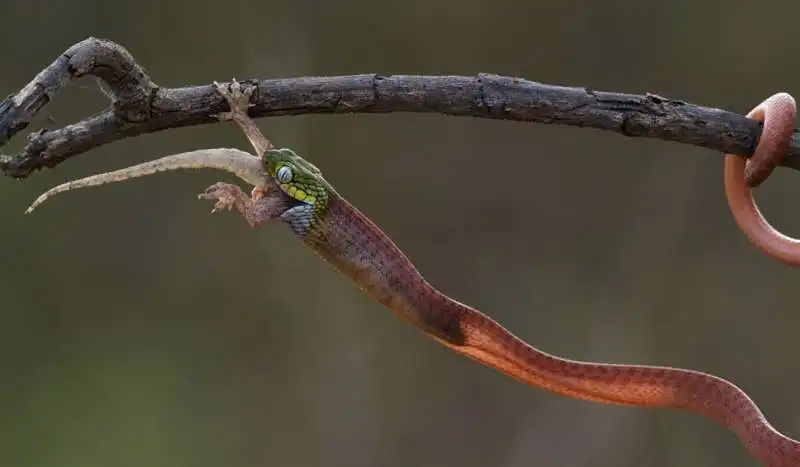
x=137 y=330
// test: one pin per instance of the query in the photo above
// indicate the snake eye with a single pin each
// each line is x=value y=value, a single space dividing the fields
x=284 y=174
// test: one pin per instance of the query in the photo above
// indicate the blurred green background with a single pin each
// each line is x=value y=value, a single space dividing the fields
x=138 y=330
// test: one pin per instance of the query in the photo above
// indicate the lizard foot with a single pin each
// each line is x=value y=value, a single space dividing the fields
x=226 y=194
x=262 y=205
x=238 y=98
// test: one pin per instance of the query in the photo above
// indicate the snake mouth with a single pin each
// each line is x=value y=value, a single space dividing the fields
x=277 y=201
x=291 y=202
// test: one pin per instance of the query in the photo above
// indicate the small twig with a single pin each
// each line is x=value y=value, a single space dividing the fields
x=140 y=106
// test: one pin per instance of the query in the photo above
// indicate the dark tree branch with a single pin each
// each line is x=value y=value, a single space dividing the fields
x=140 y=106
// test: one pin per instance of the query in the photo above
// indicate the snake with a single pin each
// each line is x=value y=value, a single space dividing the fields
x=778 y=113
x=290 y=189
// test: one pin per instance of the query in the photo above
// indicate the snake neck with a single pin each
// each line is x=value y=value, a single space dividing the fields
x=360 y=250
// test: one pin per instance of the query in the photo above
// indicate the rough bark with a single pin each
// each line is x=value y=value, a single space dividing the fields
x=139 y=106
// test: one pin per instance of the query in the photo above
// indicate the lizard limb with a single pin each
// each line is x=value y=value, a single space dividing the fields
x=266 y=205
x=242 y=164
x=238 y=98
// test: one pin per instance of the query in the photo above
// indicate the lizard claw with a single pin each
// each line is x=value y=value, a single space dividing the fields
x=237 y=96
x=226 y=195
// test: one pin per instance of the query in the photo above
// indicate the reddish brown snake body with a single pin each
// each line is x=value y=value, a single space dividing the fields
x=778 y=112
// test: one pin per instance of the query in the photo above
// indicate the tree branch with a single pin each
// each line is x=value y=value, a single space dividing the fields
x=140 y=106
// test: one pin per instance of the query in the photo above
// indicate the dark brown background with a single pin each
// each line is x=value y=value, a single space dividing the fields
x=137 y=330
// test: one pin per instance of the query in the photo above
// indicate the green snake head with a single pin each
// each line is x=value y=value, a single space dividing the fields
x=302 y=182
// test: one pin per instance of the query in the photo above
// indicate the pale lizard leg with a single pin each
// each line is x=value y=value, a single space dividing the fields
x=256 y=211
x=238 y=98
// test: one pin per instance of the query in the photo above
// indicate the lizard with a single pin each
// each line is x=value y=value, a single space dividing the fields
x=292 y=190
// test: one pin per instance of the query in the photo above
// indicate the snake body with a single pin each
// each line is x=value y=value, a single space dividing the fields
x=360 y=250
x=347 y=239
x=778 y=112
